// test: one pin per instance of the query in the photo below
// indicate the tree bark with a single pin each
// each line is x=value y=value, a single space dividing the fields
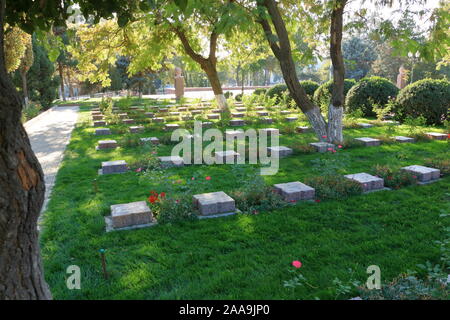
x=21 y=197
x=281 y=48
x=69 y=83
x=61 y=75
x=23 y=75
x=336 y=107
x=207 y=64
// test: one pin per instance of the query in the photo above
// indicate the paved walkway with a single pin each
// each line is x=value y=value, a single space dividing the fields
x=49 y=135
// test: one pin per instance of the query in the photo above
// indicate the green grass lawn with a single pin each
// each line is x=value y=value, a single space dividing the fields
x=243 y=256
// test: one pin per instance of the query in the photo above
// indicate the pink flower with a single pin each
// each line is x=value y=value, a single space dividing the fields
x=297 y=264
x=330 y=149
x=177 y=201
x=208 y=178
x=192 y=178
x=139 y=170
x=324 y=137
x=339 y=146
x=334 y=151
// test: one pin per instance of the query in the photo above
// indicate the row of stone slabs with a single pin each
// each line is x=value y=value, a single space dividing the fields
x=219 y=204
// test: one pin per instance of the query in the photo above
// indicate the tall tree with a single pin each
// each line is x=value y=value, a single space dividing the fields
x=25 y=65
x=278 y=38
x=21 y=177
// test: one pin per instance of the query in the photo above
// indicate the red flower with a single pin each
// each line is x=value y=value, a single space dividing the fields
x=324 y=137
x=154 y=193
x=177 y=201
x=152 y=199
x=162 y=194
x=208 y=178
x=317 y=200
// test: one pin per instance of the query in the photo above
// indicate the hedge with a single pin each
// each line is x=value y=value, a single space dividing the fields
x=428 y=98
x=322 y=95
x=369 y=91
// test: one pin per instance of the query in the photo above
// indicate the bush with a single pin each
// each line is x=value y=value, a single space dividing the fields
x=228 y=94
x=394 y=179
x=260 y=91
x=369 y=92
x=276 y=91
x=238 y=97
x=130 y=141
x=310 y=87
x=333 y=186
x=168 y=208
x=322 y=95
x=428 y=98
x=256 y=197
x=31 y=110
x=441 y=164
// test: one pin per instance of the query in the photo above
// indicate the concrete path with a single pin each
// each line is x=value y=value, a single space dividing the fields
x=49 y=135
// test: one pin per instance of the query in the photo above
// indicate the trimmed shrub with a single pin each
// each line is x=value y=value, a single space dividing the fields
x=259 y=91
x=428 y=98
x=310 y=87
x=238 y=97
x=276 y=91
x=228 y=94
x=369 y=92
x=322 y=95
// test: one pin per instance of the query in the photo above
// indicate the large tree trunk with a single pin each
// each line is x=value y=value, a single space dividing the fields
x=213 y=77
x=336 y=107
x=69 y=83
x=281 y=48
x=61 y=75
x=23 y=75
x=21 y=197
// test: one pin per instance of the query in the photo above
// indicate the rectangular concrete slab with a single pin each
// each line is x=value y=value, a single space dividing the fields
x=279 y=151
x=403 y=139
x=171 y=161
x=369 y=142
x=437 y=135
x=214 y=203
x=136 y=129
x=301 y=129
x=294 y=191
x=118 y=166
x=153 y=140
x=322 y=146
x=291 y=119
x=237 y=123
x=131 y=214
x=102 y=131
x=228 y=156
x=367 y=181
x=365 y=125
x=107 y=144
x=423 y=174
